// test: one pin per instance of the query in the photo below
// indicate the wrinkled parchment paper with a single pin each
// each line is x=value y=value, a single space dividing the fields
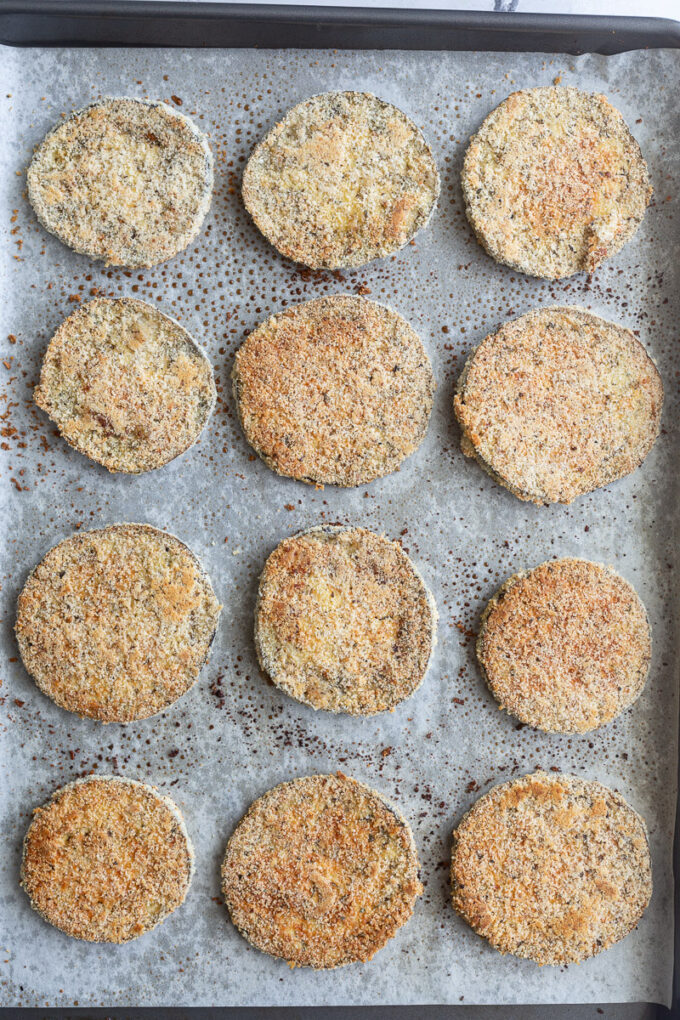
x=233 y=735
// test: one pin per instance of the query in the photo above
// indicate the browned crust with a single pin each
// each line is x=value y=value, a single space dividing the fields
x=552 y=868
x=125 y=180
x=566 y=646
x=559 y=402
x=126 y=385
x=343 y=179
x=321 y=872
x=106 y=859
x=334 y=391
x=344 y=622
x=554 y=182
x=115 y=624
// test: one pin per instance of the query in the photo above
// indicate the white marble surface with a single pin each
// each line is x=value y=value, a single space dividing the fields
x=641 y=8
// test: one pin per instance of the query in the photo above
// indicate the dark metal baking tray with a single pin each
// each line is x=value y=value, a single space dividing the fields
x=158 y=23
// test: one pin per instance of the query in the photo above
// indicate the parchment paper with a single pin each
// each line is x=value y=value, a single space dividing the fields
x=233 y=735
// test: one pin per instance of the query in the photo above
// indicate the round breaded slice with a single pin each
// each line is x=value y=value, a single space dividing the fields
x=116 y=624
x=554 y=182
x=557 y=403
x=551 y=868
x=334 y=391
x=107 y=859
x=344 y=622
x=343 y=179
x=125 y=180
x=321 y=872
x=566 y=646
x=126 y=385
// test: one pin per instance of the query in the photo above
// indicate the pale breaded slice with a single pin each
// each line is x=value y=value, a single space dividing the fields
x=343 y=179
x=344 y=622
x=125 y=180
x=566 y=646
x=559 y=402
x=107 y=859
x=551 y=867
x=554 y=182
x=116 y=624
x=321 y=872
x=126 y=385
x=336 y=391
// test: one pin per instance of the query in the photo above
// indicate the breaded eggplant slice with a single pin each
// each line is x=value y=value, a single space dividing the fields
x=126 y=385
x=321 y=872
x=554 y=183
x=559 y=402
x=344 y=622
x=343 y=179
x=128 y=181
x=116 y=624
x=552 y=868
x=566 y=646
x=334 y=391
x=107 y=859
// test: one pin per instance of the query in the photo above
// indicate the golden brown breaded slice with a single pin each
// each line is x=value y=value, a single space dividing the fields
x=559 y=402
x=321 y=872
x=124 y=180
x=344 y=621
x=343 y=179
x=126 y=385
x=552 y=868
x=334 y=391
x=566 y=646
x=107 y=859
x=116 y=624
x=554 y=182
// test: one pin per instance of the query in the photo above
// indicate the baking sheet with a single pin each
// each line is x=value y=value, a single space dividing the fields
x=234 y=735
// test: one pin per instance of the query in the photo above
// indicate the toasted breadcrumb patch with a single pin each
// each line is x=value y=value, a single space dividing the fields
x=116 y=624
x=343 y=179
x=344 y=622
x=559 y=402
x=106 y=859
x=335 y=391
x=554 y=182
x=552 y=868
x=566 y=646
x=126 y=385
x=321 y=872
x=123 y=180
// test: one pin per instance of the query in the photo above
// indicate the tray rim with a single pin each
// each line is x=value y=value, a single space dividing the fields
x=186 y=24
x=163 y=23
